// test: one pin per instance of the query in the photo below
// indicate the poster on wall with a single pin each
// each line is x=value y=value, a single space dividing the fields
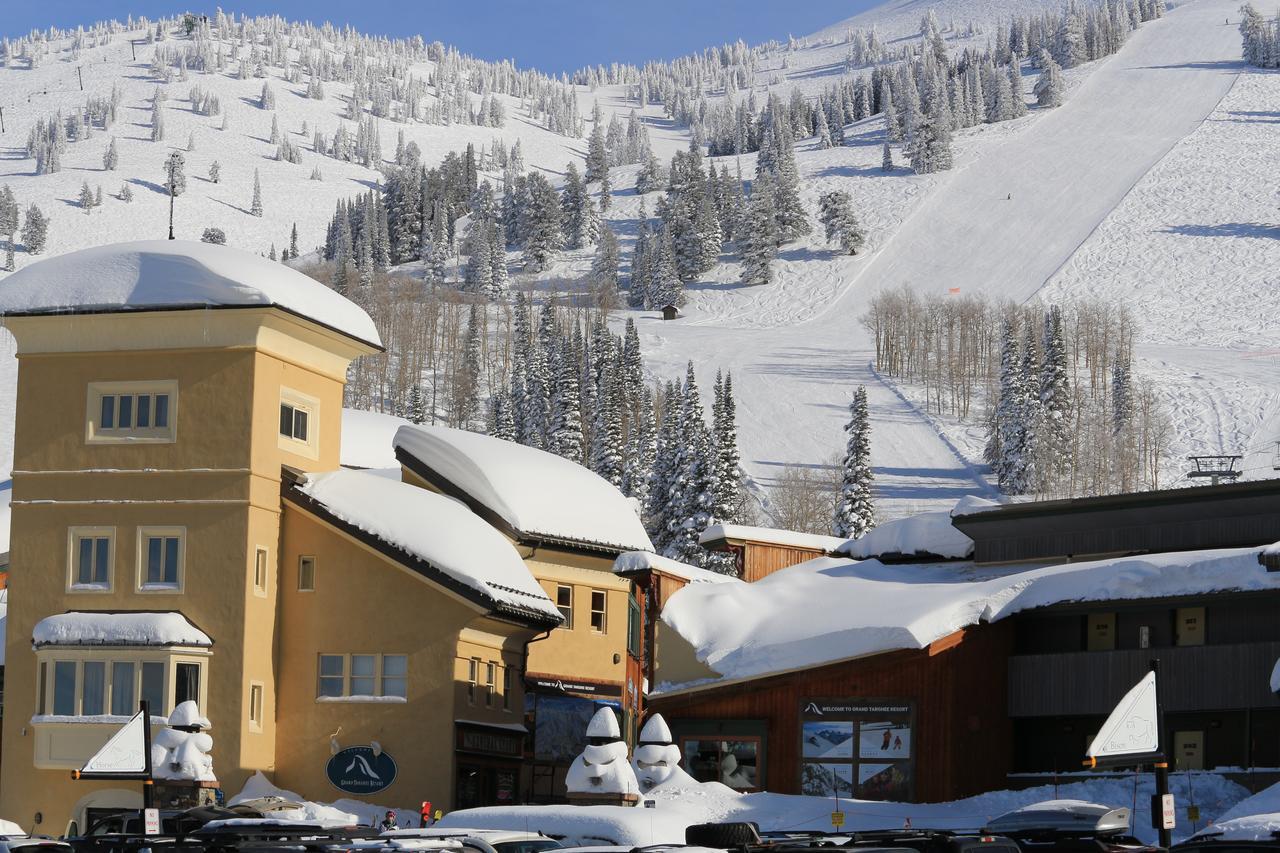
x=824 y=739
x=857 y=747
x=884 y=739
x=560 y=724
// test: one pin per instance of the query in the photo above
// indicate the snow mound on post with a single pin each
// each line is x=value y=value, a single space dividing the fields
x=118 y=629
x=829 y=610
x=537 y=493
x=176 y=274
x=437 y=530
x=604 y=724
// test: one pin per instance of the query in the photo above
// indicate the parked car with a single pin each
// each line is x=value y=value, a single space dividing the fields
x=482 y=840
x=1211 y=841
x=1069 y=826
x=23 y=843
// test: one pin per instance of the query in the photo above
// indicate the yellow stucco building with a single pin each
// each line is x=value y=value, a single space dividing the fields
x=182 y=529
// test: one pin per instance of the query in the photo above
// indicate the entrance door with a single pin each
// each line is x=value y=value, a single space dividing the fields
x=487 y=785
x=1188 y=750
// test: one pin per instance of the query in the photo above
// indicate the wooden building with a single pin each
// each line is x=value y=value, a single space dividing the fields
x=760 y=551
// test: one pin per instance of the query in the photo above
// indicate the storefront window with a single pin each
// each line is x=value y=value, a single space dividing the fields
x=735 y=763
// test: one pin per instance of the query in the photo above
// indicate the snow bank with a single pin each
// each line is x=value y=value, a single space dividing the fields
x=10 y=829
x=79 y=628
x=1252 y=819
x=771 y=536
x=435 y=529
x=535 y=492
x=637 y=561
x=175 y=274
x=367 y=439
x=829 y=609
x=343 y=811
x=676 y=806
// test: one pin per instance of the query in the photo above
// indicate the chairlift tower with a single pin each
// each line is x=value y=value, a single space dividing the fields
x=1215 y=469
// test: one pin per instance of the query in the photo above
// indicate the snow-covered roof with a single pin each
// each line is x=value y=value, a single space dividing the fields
x=437 y=530
x=86 y=628
x=771 y=536
x=368 y=439
x=638 y=561
x=828 y=609
x=176 y=274
x=538 y=495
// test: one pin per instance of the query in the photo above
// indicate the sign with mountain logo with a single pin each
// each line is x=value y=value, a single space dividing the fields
x=359 y=770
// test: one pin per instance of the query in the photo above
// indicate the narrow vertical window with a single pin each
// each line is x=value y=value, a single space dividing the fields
x=107 y=419
x=255 y=706
x=490 y=682
x=144 y=411
x=598 y=610
x=306 y=574
x=153 y=686
x=332 y=676
x=162 y=411
x=64 y=688
x=260 y=571
x=93 y=690
x=122 y=704
x=187 y=683
x=363 y=674
x=564 y=603
x=126 y=412
x=395 y=675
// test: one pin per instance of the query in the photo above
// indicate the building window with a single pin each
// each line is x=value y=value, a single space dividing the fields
x=333 y=680
x=506 y=688
x=161 y=553
x=734 y=762
x=598 y=600
x=260 y=571
x=102 y=686
x=473 y=679
x=490 y=682
x=131 y=412
x=564 y=603
x=633 y=627
x=299 y=423
x=91 y=552
x=255 y=706
x=306 y=574
x=359 y=677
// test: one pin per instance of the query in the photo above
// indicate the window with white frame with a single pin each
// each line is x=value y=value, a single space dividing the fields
x=260 y=571
x=299 y=422
x=132 y=412
x=362 y=676
x=599 y=602
x=255 y=705
x=161 y=555
x=90 y=554
x=306 y=574
x=112 y=683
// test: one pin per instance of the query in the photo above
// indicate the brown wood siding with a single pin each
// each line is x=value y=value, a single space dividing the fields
x=763 y=560
x=963 y=739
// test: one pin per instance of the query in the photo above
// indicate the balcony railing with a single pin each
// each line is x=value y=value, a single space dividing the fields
x=1192 y=678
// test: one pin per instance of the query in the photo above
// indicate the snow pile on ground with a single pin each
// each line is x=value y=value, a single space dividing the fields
x=926 y=534
x=678 y=806
x=535 y=492
x=435 y=529
x=342 y=811
x=771 y=536
x=117 y=629
x=638 y=561
x=1252 y=819
x=368 y=439
x=830 y=609
x=175 y=274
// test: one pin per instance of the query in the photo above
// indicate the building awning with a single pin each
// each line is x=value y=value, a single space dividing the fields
x=93 y=628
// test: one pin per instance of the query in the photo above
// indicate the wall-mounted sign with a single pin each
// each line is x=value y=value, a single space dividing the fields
x=563 y=685
x=856 y=748
x=357 y=770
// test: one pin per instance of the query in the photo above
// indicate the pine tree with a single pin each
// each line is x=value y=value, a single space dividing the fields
x=157 y=120
x=126 y=193
x=564 y=437
x=498 y=259
x=110 y=158
x=215 y=171
x=930 y=146
x=573 y=203
x=537 y=393
x=662 y=507
x=97 y=197
x=1048 y=89
x=728 y=490
x=1055 y=400
x=886 y=163
x=35 y=231
x=761 y=240
x=1005 y=433
x=604 y=269
x=255 y=208
x=467 y=390
x=293 y=241
x=1016 y=87
x=478 y=277
x=641 y=449
x=416 y=413
x=840 y=223
x=822 y=131
x=789 y=212
x=693 y=492
x=175 y=173
x=86 y=198
x=855 y=505
x=542 y=224
x=597 y=164
x=501 y=423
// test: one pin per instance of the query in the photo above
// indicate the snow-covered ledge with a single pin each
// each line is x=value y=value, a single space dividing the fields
x=79 y=628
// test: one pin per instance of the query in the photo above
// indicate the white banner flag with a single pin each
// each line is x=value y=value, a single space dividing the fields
x=1133 y=727
x=125 y=752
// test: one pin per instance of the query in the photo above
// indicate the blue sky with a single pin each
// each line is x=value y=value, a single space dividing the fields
x=554 y=35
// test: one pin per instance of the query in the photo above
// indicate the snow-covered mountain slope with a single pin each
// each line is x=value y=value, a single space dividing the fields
x=1105 y=196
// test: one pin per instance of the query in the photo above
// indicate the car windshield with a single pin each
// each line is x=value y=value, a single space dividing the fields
x=534 y=845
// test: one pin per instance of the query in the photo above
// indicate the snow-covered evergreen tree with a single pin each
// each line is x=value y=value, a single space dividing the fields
x=724 y=427
x=564 y=437
x=110 y=158
x=841 y=225
x=1048 y=88
x=255 y=207
x=693 y=492
x=86 y=198
x=35 y=230
x=930 y=146
x=1054 y=390
x=855 y=512
x=886 y=161
x=760 y=243
x=215 y=172
x=417 y=411
x=175 y=173
x=542 y=224
x=605 y=267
